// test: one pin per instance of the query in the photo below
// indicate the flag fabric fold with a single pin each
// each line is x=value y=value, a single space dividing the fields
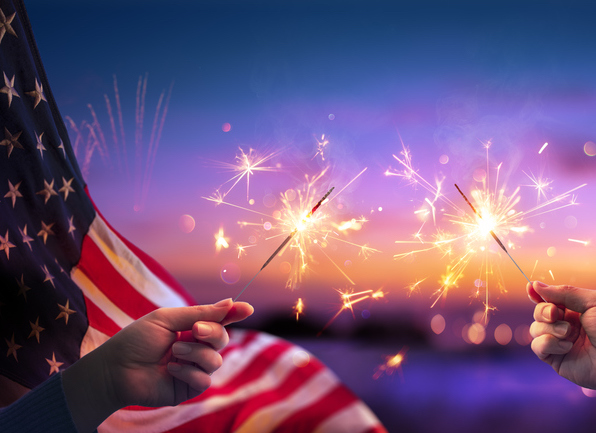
x=69 y=281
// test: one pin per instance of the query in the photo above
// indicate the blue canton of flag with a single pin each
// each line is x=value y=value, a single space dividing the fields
x=44 y=213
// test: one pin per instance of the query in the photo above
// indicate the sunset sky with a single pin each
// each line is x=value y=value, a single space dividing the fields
x=442 y=78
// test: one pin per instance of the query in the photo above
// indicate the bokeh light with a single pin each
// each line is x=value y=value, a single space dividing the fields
x=590 y=148
x=230 y=273
x=285 y=267
x=522 y=335
x=269 y=200
x=503 y=334
x=437 y=324
x=226 y=127
x=474 y=333
x=479 y=175
x=186 y=223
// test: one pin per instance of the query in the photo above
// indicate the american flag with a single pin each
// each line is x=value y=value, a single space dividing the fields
x=69 y=281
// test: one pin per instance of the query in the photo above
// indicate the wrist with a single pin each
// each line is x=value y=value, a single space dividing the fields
x=89 y=391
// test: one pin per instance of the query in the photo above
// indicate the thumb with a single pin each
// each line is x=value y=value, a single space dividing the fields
x=182 y=318
x=573 y=298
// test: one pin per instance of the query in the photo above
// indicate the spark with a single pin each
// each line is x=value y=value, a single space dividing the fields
x=220 y=240
x=414 y=287
x=551 y=274
x=321 y=145
x=299 y=308
x=542 y=148
x=584 y=243
x=542 y=186
x=247 y=164
x=534 y=269
x=349 y=298
x=392 y=364
x=242 y=249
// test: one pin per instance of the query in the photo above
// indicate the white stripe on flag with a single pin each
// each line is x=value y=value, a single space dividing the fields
x=269 y=417
x=132 y=269
x=355 y=418
x=164 y=418
x=237 y=360
x=96 y=296
x=92 y=339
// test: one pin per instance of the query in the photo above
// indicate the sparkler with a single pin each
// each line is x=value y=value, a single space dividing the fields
x=298 y=227
x=492 y=233
x=498 y=211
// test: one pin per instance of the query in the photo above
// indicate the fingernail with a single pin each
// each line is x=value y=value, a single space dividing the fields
x=561 y=329
x=223 y=303
x=173 y=366
x=204 y=330
x=180 y=348
x=540 y=284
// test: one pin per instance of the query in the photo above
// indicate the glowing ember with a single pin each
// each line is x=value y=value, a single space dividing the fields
x=392 y=364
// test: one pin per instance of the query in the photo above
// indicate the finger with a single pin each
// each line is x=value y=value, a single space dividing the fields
x=559 y=329
x=211 y=333
x=238 y=312
x=570 y=297
x=549 y=313
x=204 y=357
x=194 y=377
x=182 y=318
x=534 y=297
x=547 y=345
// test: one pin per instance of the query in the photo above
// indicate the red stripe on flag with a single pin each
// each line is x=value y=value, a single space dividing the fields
x=104 y=276
x=247 y=338
x=311 y=416
x=233 y=416
x=253 y=371
x=153 y=265
x=98 y=319
x=293 y=382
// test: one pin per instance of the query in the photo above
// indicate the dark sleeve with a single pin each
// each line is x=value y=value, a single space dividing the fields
x=43 y=409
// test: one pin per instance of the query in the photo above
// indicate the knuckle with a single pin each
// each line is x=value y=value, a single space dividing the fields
x=534 y=329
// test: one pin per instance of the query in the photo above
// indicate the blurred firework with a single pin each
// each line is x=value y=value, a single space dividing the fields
x=88 y=137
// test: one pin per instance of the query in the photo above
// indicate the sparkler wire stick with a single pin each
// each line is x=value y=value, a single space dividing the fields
x=286 y=240
x=492 y=233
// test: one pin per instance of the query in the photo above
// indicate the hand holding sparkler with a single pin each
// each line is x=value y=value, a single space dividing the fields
x=288 y=239
x=495 y=237
x=564 y=330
